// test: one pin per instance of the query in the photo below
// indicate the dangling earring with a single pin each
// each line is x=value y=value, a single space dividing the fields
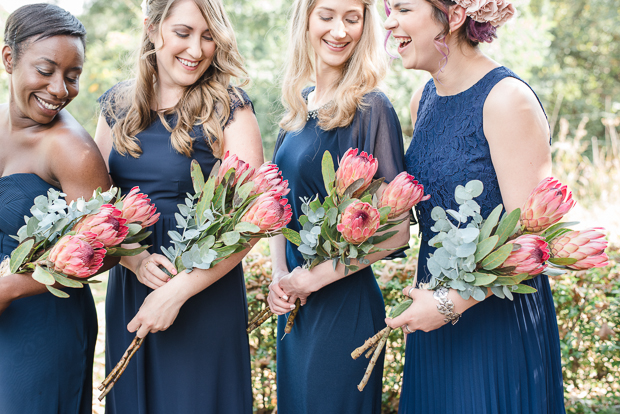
x=450 y=32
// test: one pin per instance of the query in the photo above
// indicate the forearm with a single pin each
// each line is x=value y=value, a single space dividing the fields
x=460 y=304
x=17 y=286
x=277 y=246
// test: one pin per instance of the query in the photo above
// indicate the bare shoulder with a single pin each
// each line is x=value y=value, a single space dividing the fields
x=511 y=94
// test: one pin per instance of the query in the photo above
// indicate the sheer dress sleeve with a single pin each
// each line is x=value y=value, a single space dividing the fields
x=238 y=99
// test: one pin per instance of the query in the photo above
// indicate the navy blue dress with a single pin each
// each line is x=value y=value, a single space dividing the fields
x=315 y=371
x=502 y=356
x=47 y=344
x=201 y=364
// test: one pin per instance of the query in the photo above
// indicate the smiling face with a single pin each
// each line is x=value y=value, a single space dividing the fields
x=415 y=29
x=185 y=49
x=45 y=78
x=335 y=28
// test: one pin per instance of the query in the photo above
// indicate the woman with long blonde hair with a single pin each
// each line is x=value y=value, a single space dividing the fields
x=180 y=107
x=336 y=46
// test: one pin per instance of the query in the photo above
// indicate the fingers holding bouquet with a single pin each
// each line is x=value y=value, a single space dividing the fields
x=149 y=270
x=421 y=315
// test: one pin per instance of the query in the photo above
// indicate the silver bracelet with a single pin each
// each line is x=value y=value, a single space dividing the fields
x=446 y=306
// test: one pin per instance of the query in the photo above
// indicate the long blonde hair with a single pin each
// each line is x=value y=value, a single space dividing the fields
x=206 y=102
x=363 y=72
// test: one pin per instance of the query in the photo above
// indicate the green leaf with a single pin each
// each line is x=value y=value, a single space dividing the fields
x=198 y=178
x=57 y=292
x=65 y=281
x=563 y=261
x=506 y=280
x=303 y=220
x=224 y=252
x=558 y=226
x=483 y=279
x=231 y=237
x=507 y=226
x=119 y=251
x=355 y=185
x=137 y=238
x=496 y=258
x=383 y=237
x=204 y=202
x=332 y=216
x=524 y=289
x=384 y=212
x=343 y=206
x=291 y=235
x=242 y=193
x=329 y=174
x=491 y=222
x=485 y=247
x=556 y=234
x=20 y=254
x=134 y=228
x=42 y=276
x=400 y=308
x=206 y=242
x=374 y=186
x=474 y=187
x=245 y=227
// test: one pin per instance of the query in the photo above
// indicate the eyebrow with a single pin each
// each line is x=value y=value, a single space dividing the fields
x=188 y=27
x=400 y=4
x=51 y=62
x=332 y=10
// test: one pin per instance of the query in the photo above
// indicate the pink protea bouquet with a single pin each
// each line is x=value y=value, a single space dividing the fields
x=66 y=244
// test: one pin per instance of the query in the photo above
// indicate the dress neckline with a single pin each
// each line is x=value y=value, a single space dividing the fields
x=31 y=175
x=471 y=88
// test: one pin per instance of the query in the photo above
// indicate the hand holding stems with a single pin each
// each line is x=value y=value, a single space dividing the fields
x=278 y=300
x=148 y=267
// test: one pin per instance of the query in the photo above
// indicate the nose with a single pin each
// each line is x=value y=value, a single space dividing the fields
x=338 y=32
x=57 y=87
x=390 y=23
x=195 y=47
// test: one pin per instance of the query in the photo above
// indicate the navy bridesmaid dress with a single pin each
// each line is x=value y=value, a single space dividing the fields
x=201 y=364
x=502 y=356
x=47 y=344
x=315 y=371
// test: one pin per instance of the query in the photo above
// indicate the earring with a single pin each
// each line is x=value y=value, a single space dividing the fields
x=450 y=32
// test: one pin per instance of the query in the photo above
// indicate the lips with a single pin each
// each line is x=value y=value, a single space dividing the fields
x=336 y=46
x=188 y=64
x=403 y=42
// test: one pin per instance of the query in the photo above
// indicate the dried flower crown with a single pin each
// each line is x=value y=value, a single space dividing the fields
x=496 y=12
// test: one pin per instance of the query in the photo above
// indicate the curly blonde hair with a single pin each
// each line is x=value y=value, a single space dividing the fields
x=206 y=102
x=363 y=72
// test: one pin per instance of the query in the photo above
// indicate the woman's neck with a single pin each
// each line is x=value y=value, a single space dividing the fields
x=463 y=69
x=327 y=78
x=166 y=96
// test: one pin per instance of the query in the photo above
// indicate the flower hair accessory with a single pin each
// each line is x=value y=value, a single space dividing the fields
x=496 y=12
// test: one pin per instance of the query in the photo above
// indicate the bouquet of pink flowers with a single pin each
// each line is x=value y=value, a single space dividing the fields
x=66 y=244
x=345 y=224
x=497 y=255
x=236 y=204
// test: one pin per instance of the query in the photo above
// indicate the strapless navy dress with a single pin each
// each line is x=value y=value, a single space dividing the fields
x=502 y=357
x=201 y=364
x=315 y=371
x=47 y=344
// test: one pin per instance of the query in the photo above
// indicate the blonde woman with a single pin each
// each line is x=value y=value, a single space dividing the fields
x=336 y=45
x=180 y=107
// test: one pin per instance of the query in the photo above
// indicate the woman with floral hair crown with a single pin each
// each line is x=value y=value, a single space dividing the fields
x=475 y=119
x=181 y=106
x=337 y=46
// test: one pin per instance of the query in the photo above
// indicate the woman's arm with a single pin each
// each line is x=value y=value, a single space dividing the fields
x=277 y=299
x=160 y=308
x=518 y=134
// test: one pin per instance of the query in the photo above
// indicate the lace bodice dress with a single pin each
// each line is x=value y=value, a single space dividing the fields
x=502 y=356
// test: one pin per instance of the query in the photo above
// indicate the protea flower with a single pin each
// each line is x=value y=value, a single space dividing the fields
x=546 y=205
x=108 y=225
x=137 y=208
x=352 y=167
x=402 y=194
x=530 y=258
x=270 y=212
x=359 y=222
x=269 y=178
x=80 y=255
x=232 y=161
x=587 y=246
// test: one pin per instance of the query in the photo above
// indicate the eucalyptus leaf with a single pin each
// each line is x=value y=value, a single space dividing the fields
x=474 y=188
x=245 y=227
x=231 y=237
x=43 y=276
x=134 y=228
x=57 y=292
x=508 y=293
x=466 y=249
x=438 y=213
x=479 y=294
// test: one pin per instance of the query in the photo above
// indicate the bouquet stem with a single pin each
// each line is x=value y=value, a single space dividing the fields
x=118 y=370
x=370 y=342
x=291 y=318
x=375 y=357
x=259 y=319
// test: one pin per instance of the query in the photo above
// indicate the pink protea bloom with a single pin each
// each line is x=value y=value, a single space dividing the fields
x=352 y=167
x=269 y=178
x=359 y=222
x=587 y=246
x=108 y=225
x=530 y=258
x=546 y=205
x=402 y=194
x=232 y=161
x=269 y=211
x=137 y=208
x=80 y=255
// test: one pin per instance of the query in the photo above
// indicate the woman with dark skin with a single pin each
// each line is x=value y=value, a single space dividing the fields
x=46 y=343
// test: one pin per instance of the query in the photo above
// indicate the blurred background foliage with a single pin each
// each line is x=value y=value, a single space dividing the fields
x=567 y=50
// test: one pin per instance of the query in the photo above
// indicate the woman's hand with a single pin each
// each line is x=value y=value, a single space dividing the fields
x=422 y=315
x=159 y=310
x=296 y=285
x=277 y=299
x=149 y=273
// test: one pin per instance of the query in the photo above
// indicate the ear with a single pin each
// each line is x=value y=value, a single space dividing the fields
x=456 y=17
x=8 y=59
